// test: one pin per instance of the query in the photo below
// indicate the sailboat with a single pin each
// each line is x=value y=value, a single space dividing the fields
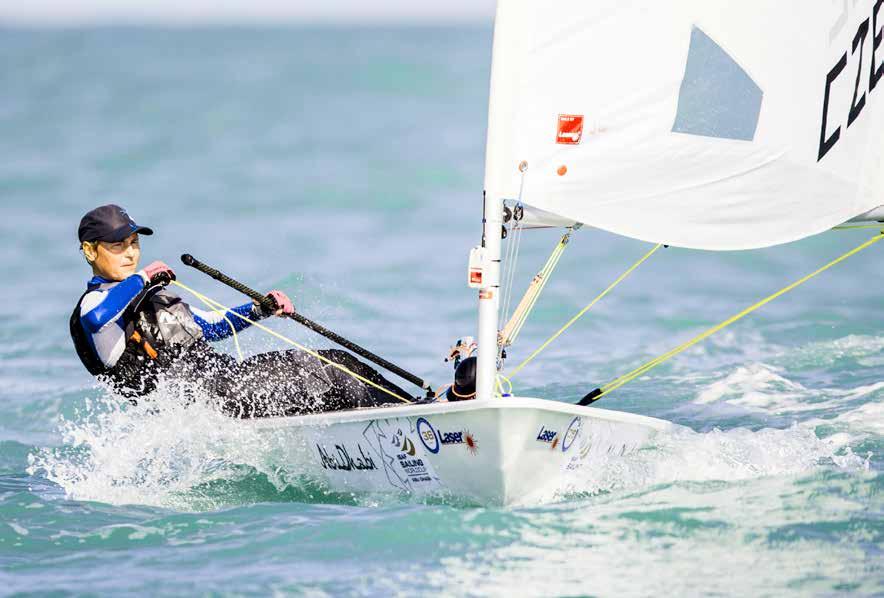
x=701 y=124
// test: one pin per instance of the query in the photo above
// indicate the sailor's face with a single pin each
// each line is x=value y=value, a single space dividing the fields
x=118 y=261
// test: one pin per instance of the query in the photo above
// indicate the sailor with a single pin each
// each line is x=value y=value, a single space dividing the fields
x=463 y=356
x=131 y=331
x=464 y=386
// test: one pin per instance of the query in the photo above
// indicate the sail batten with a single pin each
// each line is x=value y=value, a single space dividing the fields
x=698 y=123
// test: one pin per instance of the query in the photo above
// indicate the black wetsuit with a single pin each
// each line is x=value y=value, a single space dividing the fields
x=284 y=382
x=133 y=334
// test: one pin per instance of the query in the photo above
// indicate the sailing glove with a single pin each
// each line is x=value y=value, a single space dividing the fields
x=281 y=302
x=158 y=273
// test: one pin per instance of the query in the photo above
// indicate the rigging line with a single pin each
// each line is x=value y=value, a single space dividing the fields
x=507 y=267
x=512 y=266
x=509 y=273
x=511 y=258
x=615 y=384
x=260 y=326
x=229 y=323
x=517 y=247
x=547 y=274
x=500 y=389
x=512 y=328
x=601 y=295
x=855 y=226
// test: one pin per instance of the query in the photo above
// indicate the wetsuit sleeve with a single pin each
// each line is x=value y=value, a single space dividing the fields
x=113 y=302
x=216 y=328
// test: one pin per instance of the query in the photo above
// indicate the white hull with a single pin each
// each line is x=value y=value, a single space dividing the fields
x=491 y=452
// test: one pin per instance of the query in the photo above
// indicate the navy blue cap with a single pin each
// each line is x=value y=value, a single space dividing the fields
x=109 y=223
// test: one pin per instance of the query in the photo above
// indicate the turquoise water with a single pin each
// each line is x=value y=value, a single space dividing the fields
x=345 y=167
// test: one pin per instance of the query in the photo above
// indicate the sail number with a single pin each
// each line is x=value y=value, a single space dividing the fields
x=866 y=81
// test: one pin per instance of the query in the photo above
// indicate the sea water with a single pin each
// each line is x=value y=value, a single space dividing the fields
x=344 y=166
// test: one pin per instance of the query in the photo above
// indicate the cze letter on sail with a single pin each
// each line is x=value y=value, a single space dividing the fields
x=707 y=124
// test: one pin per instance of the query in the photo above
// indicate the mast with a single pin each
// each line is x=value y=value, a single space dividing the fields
x=502 y=177
x=489 y=297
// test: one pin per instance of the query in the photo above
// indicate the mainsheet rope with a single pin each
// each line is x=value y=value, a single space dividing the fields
x=217 y=305
x=615 y=384
x=592 y=303
x=223 y=314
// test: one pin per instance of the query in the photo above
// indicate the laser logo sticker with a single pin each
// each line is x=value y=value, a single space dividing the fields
x=570 y=129
x=451 y=437
x=546 y=435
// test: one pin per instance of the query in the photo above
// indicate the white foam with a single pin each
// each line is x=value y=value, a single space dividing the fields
x=152 y=454
x=857 y=424
x=733 y=455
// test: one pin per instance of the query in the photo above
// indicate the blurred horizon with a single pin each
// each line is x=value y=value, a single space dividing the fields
x=200 y=13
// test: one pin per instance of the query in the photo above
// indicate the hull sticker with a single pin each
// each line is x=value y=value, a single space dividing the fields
x=427 y=435
x=404 y=463
x=340 y=459
x=571 y=434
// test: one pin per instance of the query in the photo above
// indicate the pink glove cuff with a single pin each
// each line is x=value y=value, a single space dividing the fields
x=282 y=301
x=152 y=270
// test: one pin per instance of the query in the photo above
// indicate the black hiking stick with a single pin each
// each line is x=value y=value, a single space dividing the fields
x=270 y=306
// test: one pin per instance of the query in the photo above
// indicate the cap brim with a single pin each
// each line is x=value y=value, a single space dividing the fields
x=124 y=231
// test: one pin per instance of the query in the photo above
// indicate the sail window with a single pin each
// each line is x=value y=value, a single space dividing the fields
x=717 y=98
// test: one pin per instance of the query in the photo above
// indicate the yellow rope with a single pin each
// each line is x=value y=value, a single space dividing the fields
x=615 y=384
x=229 y=323
x=535 y=288
x=209 y=301
x=620 y=279
x=856 y=226
x=500 y=389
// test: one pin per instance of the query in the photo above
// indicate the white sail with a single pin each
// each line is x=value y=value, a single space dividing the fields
x=710 y=124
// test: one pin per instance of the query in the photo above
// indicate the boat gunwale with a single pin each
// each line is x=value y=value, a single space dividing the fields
x=442 y=408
